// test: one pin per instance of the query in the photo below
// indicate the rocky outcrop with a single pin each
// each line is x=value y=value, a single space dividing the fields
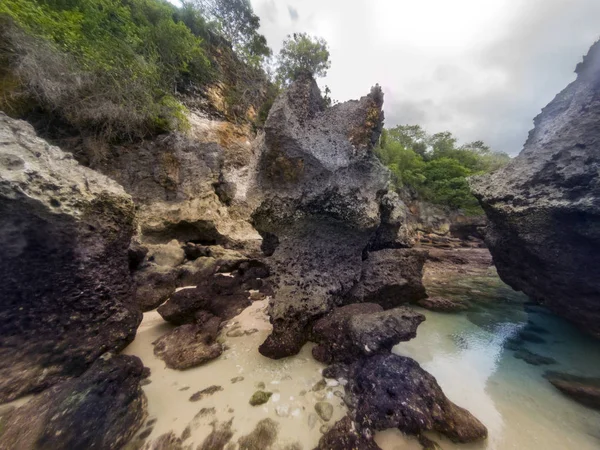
x=344 y=435
x=363 y=329
x=391 y=277
x=320 y=193
x=224 y=295
x=184 y=185
x=101 y=409
x=585 y=390
x=391 y=391
x=544 y=207
x=66 y=289
x=190 y=345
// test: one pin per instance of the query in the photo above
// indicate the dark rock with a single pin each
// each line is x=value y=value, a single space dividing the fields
x=344 y=436
x=154 y=285
x=167 y=441
x=543 y=208
x=66 y=287
x=136 y=254
x=205 y=393
x=394 y=230
x=219 y=437
x=318 y=191
x=189 y=345
x=584 y=390
x=441 y=304
x=194 y=251
x=514 y=344
x=391 y=277
x=262 y=437
x=362 y=329
x=224 y=297
x=102 y=409
x=533 y=358
x=531 y=337
x=391 y=391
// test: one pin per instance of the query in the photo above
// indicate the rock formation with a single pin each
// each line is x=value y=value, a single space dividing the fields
x=361 y=330
x=319 y=193
x=66 y=290
x=544 y=207
x=391 y=391
x=101 y=409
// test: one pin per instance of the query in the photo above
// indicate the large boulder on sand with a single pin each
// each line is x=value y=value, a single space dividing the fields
x=391 y=391
x=102 y=409
x=319 y=189
x=544 y=207
x=66 y=289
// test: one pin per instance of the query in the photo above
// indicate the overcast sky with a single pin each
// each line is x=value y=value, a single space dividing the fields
x=482 y=69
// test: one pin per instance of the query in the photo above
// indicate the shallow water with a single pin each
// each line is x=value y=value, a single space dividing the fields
x=464 y=351
x=521 y=409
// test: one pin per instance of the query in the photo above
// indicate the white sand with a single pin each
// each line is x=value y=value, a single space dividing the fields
x=286 y=378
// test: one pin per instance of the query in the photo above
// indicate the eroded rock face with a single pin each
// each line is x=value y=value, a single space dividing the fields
x=319 y=192
x=544 y=207
x=180 y=186
x=344 y=435
x=190 y=345
x=391 y=391
x=585 y=390
x=391 y=277
x=103 y=409
x=66 y=290
x=363 y=329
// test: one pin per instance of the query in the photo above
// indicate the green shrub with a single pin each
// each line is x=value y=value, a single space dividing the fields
x=434 y=167
x=106 y=66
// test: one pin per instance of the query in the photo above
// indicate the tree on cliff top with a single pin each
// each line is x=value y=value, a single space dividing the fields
x=302 y=53
x=236 y=21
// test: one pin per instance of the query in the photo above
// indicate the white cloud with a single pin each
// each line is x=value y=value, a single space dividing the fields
x=481 y=69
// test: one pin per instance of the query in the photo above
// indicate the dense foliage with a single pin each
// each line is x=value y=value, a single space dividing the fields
x=302 y=53
x=114 y=68
x=236 y=21
x=111 y=65
x=434 y=166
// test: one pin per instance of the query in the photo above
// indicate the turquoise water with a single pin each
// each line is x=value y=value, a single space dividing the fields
x=466 y=353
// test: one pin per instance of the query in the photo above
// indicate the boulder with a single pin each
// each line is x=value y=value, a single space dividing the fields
x=544 y=209
x=102 y=409
x=66 y=292
x=189 y=345
x=391 y=277
x=391 y=391
x=355 y=331
x=442 y=304
x=318 y=191
x=344 y=435
x=585 y=390
x=221 y=295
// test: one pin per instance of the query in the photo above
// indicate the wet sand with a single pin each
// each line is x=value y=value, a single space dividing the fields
x=290 y=380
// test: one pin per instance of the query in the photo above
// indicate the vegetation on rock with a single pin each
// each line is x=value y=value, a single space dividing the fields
x=435 y=167
x=302 y=53
x=118 y=69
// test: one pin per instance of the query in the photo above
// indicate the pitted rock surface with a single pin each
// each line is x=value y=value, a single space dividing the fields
x=319 y=190
x=102 y=409
x=66 y=287
x=544 y=207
